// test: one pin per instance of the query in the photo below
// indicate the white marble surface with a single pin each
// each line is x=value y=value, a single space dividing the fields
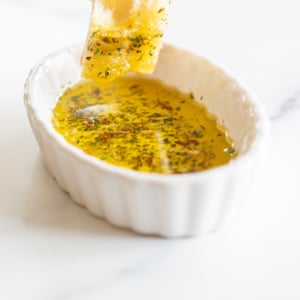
x=51 y=249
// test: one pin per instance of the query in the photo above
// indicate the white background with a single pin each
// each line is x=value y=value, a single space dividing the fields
x=52 y=249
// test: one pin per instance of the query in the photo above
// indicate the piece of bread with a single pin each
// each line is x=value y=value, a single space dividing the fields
x=124 y=36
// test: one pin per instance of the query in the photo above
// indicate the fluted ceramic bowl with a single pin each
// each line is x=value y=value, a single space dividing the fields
x=167 y=205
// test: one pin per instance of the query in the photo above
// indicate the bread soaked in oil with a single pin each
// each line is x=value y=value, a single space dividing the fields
x=124 y=36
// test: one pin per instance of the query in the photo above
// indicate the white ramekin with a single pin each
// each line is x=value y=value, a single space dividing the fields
x=166 y=205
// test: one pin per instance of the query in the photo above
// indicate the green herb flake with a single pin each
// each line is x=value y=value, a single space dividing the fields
x=136 y=40
x=106 y=74
x=94 y=33
x=231 y=150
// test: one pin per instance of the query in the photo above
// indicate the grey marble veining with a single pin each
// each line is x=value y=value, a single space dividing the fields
x=290 y=104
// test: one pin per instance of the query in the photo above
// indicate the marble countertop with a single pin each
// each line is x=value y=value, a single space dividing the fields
x=52 y=249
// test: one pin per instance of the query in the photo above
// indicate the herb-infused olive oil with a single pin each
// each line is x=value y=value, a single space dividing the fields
x=142 y=124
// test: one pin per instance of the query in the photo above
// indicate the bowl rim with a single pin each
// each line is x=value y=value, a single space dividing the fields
x=241 y=161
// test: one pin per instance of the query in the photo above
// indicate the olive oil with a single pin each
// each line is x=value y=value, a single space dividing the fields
x=142 y=124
